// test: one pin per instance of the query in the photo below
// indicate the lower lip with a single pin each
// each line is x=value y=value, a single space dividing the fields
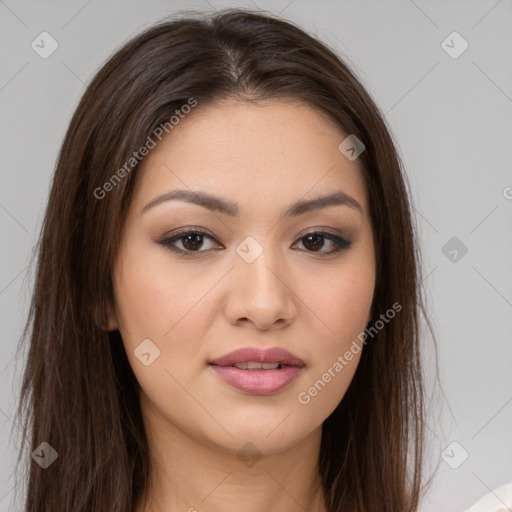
x=257 y=382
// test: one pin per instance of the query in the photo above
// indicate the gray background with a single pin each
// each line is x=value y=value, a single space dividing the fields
x=452 y=120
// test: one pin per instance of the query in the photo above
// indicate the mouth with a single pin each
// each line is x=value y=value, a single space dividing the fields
x=256 y=371
x=254 y=365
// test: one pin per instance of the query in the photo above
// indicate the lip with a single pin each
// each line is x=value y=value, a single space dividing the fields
x=258 y=382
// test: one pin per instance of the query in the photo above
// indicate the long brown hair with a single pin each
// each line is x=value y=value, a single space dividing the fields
x=78 y=392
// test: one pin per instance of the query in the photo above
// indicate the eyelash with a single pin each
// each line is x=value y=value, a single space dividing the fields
x=341 y=243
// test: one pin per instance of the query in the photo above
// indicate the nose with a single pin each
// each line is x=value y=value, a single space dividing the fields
x=260 y=296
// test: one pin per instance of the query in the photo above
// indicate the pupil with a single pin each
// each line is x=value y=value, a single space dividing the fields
x=319 y=241
x=193 y=245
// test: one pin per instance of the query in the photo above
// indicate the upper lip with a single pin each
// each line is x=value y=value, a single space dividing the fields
x=269 y=355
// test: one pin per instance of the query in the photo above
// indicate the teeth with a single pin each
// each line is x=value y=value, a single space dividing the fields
x=253 y=365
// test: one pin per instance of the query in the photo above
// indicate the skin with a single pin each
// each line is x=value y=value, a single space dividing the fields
x=264 y=157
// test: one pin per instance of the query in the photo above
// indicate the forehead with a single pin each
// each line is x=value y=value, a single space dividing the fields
x=273 y=151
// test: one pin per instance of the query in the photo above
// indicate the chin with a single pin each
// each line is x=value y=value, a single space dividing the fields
x=271 y=433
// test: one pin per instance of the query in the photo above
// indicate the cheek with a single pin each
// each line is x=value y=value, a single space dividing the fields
x=153 y=300
x=156 y=303
x=343 y=305
x=342 y=301
x=349 y=304
x=345 y=309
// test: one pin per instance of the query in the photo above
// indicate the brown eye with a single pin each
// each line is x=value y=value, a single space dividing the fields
x=191 y=242
x=315 y=241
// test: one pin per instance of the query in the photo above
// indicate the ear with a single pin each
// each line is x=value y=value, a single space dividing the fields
x=112 y=319
x=106 y=317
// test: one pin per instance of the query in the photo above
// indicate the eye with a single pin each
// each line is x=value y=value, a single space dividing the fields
x=314 y=242
x=191 y=241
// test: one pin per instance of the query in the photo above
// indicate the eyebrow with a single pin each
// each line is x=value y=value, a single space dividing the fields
x=214 y=203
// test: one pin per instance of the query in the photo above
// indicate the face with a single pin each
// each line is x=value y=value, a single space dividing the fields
x=250 y=271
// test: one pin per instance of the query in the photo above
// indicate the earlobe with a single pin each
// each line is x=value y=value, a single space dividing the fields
x=106 y=318
x=112 y=323
x=112 y=327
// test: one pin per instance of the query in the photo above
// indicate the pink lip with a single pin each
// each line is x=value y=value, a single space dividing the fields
x=258 y=382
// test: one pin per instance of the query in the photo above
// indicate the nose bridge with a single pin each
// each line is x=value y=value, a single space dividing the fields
x=257 y=268
x=260 y=293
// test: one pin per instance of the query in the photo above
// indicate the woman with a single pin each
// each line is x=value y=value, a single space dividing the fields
x=225 y=312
